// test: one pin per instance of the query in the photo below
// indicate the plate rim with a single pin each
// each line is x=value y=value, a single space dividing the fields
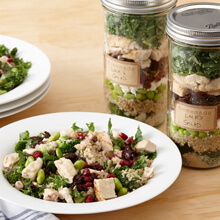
x=14 y=94
x=92 y=206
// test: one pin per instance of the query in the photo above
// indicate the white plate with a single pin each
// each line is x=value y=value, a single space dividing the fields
x=167 y=164
x=26 y=99
x=37 y=74
x=27 y=105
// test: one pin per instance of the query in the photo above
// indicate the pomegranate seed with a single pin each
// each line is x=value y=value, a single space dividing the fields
x=84 y=136
x=7 y=55
x=123 y=136
x=157 y=78
x=88 y=184
x=9 y=60
x=147 y=85
x=86 y=165
x=87 y=178
x=111 y=175
x=112 y=156
x=89 y=198
x=124 y=163
x=37 y=154
x=81 y=187
x=131 y=162
x=129 y=141
x=80 y=135
x=86 y=172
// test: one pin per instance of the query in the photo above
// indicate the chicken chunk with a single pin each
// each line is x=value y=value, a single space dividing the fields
x=51 y=195
x=32 y=169
x=146 y=145
x=106 y=142
x=70 y=133
x=66 y=169
x=64 y=193
x=10 y=160
x=104 y=189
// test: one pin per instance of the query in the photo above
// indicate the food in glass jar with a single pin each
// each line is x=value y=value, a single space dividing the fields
x=136 y=66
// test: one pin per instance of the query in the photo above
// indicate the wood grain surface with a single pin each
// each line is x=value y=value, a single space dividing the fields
x=70 y=32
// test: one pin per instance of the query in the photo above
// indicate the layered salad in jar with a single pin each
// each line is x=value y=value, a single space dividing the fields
x=138 y=41
x=194 y=112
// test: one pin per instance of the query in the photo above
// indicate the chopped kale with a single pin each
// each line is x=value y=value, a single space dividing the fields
x=68 y=146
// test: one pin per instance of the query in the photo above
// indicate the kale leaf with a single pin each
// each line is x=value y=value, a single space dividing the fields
x=68 y=146
x=147 y=31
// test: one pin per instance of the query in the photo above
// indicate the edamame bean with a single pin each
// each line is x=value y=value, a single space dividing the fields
x=150 y=94
x=115 y=95
x=118 y=185
x=186 y=133
x=59 y=153
x=29 y=160
x=162 y=87
x=180 y=131
x=116 y=147
x=54 y=137
x=43 y=149
x=122 y=191
x=142 y=91
x=140 y=96
x=118 y=90
x=217 y=131
x=202 y=134
x=194 y=133
x=111 y=86
x=40 y=176
x=157 y=96
x=106 y=80
x=79 y=164
x=129 y=96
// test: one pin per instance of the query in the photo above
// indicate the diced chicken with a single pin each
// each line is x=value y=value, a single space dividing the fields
x=52 y=146
x=32 y=169
x=64 y=193
x=148 y=173
x=104 y=189
x=30 y=150
x=100 y=174
x=70 y=133
x=115 y=134
x=138 y=55
x=156 y=55
x=18 y=185
x=66 y=169
x=146 y=145
x=145 y=63
x=3 y=60
x=106 y=142
x=51 y=195
x=118 y=153
x=116 y=161
x=10 y=160
x=178 y=89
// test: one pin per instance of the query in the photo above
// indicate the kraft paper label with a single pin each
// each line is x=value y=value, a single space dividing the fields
x=122 y=72
x=194 y=117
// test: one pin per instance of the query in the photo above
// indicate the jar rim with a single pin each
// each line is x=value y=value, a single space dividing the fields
x=195 y=23
x=139 y=6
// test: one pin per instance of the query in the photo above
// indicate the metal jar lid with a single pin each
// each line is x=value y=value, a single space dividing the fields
x=139 y=6
x=195 y=23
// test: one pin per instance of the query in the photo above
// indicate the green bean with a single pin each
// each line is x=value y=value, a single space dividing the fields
x=194 y=133
x=118 y=185
x=116 y=147
x=129 y=96
x=157 y=96
x=29 y=160
x=181 y=132
x=118 y=90
x=40 y=176
x=59 y=153
x=79 y=164
x=122 y=191
x=54 y=137
x=202 y=134
x=142 y=91
x=115 y=95
x=140 y=96
x=150 y=94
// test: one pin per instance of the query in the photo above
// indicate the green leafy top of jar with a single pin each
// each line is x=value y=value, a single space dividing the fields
x=147 y=31
x=194 y=60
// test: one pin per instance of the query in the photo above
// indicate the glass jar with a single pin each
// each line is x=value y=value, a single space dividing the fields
x=194 y=83
x=136 y=59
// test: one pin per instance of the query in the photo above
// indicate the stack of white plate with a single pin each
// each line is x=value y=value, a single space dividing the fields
x=35 y=85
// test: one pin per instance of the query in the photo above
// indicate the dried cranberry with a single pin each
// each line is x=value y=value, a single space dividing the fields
x=129 y=141
x=9 y=60
x=88 y=184
x=123 y=136
x=89 y=198
x=71 y=156
x=87 y=178
x=78 y=179
x=96 y=166
x=81 y=187
x=111 y=175
x=86 y=172
x=124 y=163
x=37 y=154
x=47 y=134
x=94 y=140
x=112 y=156
x=86 y=165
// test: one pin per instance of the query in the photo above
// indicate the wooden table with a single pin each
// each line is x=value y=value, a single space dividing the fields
x=71 y=34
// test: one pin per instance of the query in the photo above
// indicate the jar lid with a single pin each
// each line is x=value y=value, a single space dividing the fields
x=195 y=23
x=139 y=6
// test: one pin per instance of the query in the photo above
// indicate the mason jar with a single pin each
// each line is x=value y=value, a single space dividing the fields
x=194 y=83
x=136 y=59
